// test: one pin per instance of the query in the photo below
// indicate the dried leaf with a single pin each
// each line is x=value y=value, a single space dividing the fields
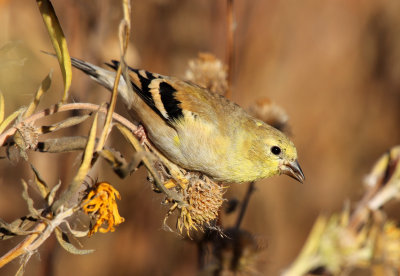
x=124 y=30
x=52 y=194
x=62 y=144
x=83 y=169
x=10 y=118
x=119 y=164
x=58 y=40
x=71 y=121
x=20 y=143
x=115 y=159
x=28 y=199
x=40 y=183
x=16 y=228
x=62 y=238
x=13 y=154
x=76 y=233
x=125 y=27
x=44 y=86
x=88 y=154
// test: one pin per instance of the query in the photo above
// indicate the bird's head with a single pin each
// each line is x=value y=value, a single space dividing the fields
x=281 y=154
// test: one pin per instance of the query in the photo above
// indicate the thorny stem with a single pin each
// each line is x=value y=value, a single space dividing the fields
x=250 y=190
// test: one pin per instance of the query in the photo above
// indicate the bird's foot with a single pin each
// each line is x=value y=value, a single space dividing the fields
x=140 y=133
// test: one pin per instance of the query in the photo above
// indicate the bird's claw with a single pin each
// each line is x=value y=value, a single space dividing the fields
x=140 y=133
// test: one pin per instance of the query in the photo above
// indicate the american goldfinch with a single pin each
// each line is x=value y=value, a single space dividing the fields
x=200 y=130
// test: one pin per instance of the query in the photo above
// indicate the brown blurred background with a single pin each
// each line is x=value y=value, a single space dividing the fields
x=334 y=66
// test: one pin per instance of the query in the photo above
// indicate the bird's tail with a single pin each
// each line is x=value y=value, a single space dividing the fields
x=103 y=76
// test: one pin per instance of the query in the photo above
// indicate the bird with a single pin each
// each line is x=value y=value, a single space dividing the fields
x=200 y=130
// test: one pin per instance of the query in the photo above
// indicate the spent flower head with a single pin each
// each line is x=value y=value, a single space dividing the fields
x=101 y=204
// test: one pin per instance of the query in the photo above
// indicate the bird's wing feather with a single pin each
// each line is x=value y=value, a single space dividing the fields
x=172 y=99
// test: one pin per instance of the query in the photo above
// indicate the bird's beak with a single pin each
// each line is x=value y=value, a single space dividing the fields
x=293 y=170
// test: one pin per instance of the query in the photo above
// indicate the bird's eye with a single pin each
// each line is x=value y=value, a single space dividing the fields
x=276 y=150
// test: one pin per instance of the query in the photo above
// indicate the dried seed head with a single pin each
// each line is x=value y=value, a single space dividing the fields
x=204 y=198
x=27 y=136
x=270 y=113
x=209 y=72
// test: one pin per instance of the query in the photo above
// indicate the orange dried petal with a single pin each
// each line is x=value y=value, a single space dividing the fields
x=101 y=203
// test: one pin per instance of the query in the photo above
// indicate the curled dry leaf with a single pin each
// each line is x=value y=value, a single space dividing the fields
x=71 y=121
x=58 y=40
x=44 y=86
x=63 y=240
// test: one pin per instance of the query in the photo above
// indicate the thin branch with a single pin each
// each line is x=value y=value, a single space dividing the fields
x=21 y=248
x=250 y=190
x=67 y=107
x=32 y=242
